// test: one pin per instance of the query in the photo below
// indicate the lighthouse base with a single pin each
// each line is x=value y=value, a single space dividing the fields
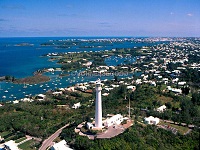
x=97 y=128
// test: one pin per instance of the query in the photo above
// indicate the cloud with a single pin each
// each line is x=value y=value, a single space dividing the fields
x=189 y=14
x=21 y=7
x=171 y=13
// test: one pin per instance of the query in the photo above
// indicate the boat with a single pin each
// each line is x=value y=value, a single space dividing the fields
x=6 y=91
x=25 y=86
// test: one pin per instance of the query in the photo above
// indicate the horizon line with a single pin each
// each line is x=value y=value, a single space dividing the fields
x=99 y=36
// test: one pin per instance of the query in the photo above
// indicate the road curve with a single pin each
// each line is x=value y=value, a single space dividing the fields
x=48 y=141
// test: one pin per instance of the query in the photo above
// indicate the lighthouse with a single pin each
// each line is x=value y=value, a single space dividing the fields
x=98 y=105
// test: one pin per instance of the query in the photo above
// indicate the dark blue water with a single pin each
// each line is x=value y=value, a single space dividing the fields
x=22 y=61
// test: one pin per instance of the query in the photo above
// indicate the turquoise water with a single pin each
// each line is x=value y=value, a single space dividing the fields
x=22 y=61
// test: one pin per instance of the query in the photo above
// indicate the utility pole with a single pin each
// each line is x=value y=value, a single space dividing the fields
x=129 y=112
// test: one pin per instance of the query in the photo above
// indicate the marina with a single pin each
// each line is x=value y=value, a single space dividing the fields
x=22 y=68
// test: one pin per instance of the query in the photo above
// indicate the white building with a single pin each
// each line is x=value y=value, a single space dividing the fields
x=57 y=93
x=40 y=97
x=27 y=99
x=105 y=94
x=62 y=145
x=82 y=88
x=138 y=81
x=161 y=108
x=77 y=105
x=89 y=125
x=98 y=105
x=181 y=83
x=15 y=101
x=178 y=91
x=70 y=89
x=50 y=69
x=151 y=120
x=131 y=87
x=10 y=145
x=114 y=120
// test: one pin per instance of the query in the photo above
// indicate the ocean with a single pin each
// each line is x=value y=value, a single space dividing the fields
x=22 y=61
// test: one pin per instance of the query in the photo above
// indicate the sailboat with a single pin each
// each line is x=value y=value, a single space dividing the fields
x=25 y=86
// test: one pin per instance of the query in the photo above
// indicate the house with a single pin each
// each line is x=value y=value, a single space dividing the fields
x=130 y=87
x=15 y=101
x=40 y=97
x=27 y=99
x=82 y=88
x=138 y=81
x=105 y=94
x=89 y=125
x=62 y=145
x=151 y=120
x=70 y=89
x=10 y=145
x=77 y=105
x=57 y=93
x=181 y=83
x=114 y=120
x=161 y=108
x=165 y=80
x=88 y=64
x=113 y=85
x=153 y=83
x=178 y=91
x=50 y=70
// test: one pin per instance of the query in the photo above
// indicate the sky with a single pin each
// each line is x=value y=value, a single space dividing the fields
x=69 y=18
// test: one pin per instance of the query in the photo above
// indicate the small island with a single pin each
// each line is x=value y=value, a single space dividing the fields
x=32 y=79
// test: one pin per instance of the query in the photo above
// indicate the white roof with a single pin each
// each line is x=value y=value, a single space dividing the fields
x=12 y=145
x=182 y=83
x=41 y=95
x=130 y=87
x=151 y=118
x=162 y=107
x=62 y=145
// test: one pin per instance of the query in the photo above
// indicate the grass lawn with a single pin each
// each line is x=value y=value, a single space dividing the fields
x=85 y=94
x=2 y=134
x=10 y=137
x=27 y=145
x=163 y=87
x=57 y=140
x=19 y=140
x=181 y=129
x=164 y=99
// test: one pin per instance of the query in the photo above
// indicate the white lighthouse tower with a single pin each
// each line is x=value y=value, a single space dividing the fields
x=98 y=105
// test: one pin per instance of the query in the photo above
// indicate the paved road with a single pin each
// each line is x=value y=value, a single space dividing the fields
x=48 y=141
